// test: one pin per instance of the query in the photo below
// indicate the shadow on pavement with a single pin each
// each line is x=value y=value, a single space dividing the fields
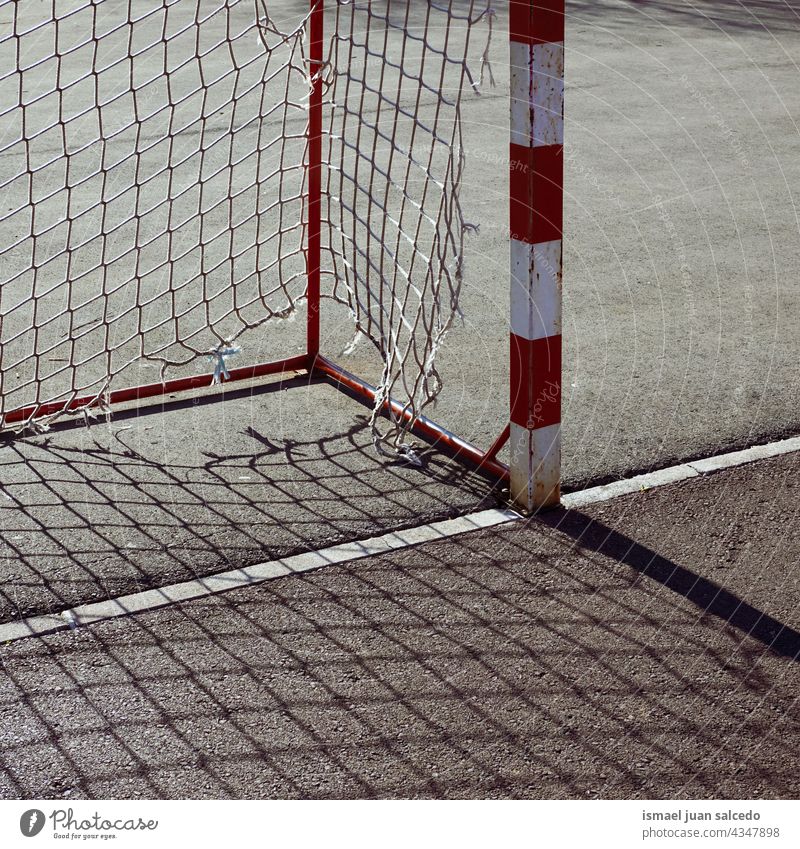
x=510 y=664
x=142 y=501
x=594 y=536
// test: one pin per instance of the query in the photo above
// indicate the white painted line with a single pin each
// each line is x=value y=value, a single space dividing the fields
x=749 y=455
x=547 y=97
x=537 y=93
x=684 y=471
x=520 y=56
x=640 y=483
x=536 y=289
x=34 y=625
x=535 y=461
x=86 y=614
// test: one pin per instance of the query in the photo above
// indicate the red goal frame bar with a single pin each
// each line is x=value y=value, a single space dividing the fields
x=536 y=34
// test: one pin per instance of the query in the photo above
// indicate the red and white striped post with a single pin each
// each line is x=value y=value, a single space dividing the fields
x=536 y=30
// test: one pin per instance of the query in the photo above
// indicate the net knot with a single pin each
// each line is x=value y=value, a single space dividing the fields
x=409 y=455
x=218 y=356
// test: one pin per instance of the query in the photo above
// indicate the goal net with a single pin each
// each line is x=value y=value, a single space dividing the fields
x=154 y=178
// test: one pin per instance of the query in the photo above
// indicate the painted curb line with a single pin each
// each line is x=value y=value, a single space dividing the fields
x=87 y=614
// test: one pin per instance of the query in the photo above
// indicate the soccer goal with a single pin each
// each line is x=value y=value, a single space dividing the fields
x=179 y=178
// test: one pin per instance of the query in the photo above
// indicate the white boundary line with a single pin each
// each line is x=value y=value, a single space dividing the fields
x=674 y=474
x=87 y=614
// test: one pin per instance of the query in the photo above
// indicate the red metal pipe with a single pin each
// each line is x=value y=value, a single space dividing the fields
x=424 y=427
x=314 y=199
x=499 y=443
x=153 y=390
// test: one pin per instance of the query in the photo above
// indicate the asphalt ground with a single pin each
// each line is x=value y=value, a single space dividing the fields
x=681 y=330
x=645 y=647
x=90 y=513
x=681 y=340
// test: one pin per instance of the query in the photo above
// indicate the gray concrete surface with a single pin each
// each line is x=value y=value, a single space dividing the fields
x=681 y=235
x=517 y=663
x=88 y=514
x=681 y=238
x=681 y=331
x=681 y=336
x=644 y=648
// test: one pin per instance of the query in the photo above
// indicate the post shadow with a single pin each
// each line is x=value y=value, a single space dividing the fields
x=591 y=535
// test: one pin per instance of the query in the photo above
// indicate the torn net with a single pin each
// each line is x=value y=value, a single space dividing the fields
x=153 y=161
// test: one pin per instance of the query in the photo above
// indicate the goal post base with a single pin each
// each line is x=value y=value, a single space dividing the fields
x=482 y=461
x=312 y=366
x=535 y=467
x=34 y=412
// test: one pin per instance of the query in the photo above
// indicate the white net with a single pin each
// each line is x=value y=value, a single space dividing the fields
x=153 y=175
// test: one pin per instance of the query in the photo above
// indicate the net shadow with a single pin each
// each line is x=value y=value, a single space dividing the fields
x=507 y=664
x=143 y=501
x=710 y=597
